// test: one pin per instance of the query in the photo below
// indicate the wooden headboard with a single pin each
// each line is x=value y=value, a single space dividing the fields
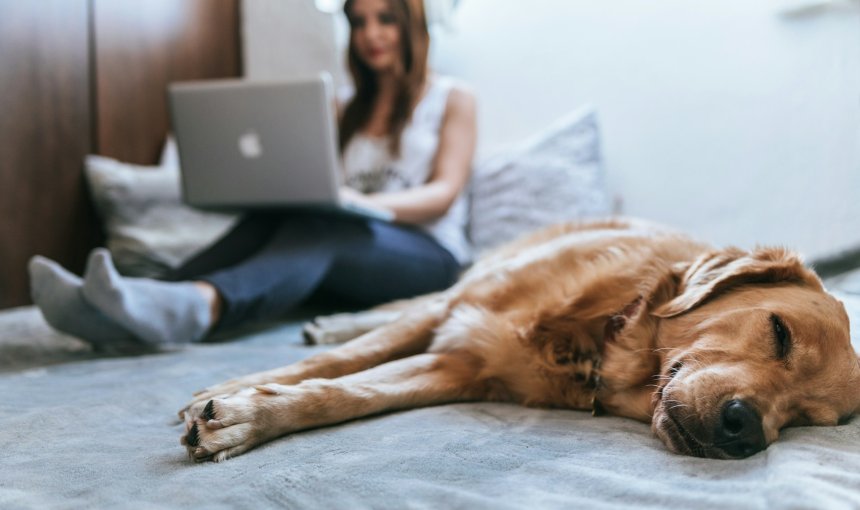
x=81 y=77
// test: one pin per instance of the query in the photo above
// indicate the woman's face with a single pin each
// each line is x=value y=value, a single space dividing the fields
x=375 y=34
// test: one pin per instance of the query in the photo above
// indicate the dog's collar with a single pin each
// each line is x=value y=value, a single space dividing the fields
x=614 y=325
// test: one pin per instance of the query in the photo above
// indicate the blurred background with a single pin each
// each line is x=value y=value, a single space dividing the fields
x=736 y=121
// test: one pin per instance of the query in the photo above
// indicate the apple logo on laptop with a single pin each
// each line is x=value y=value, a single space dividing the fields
x=250 y=146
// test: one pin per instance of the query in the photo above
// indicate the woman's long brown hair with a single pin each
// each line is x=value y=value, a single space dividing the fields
x=414 y=44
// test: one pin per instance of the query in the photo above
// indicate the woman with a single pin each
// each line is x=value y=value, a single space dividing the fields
x=407 y=141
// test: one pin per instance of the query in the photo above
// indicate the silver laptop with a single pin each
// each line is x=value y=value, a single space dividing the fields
x=245 y=144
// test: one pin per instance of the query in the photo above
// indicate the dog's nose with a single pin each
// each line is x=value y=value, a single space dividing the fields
x=739 y=433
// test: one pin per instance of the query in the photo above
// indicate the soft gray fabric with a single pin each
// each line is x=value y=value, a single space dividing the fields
x=27 y=341
x=149 y=229
x=102 y=434
x=553 y=177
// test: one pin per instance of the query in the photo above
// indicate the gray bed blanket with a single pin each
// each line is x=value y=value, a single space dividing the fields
x=102 y=433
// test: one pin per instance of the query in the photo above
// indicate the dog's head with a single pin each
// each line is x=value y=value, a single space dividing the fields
x=751 y=343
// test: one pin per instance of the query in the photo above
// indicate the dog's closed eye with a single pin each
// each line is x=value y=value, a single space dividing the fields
x=782 y=337
x=675 y=369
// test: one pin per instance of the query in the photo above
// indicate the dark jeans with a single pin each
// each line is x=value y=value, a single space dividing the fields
x=271 y=262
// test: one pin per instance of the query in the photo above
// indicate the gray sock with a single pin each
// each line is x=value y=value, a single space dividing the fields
x=57 y=293
x=158 y=312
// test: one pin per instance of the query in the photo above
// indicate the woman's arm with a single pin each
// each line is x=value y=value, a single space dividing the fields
x=452 y=165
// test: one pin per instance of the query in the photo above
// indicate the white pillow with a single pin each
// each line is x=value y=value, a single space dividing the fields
x=553 y=177
x=149 y=229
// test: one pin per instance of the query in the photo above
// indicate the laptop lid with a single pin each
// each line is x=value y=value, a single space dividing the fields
x=256 y=144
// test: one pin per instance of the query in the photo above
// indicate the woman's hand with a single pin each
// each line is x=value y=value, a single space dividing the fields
x=351 y=196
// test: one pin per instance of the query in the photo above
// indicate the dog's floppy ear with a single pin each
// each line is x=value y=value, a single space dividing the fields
x=716 y=271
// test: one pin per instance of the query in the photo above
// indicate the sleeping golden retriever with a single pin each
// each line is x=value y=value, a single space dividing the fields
x=717 y=349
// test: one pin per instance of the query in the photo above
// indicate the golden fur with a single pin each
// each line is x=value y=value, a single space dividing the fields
x=717 y=349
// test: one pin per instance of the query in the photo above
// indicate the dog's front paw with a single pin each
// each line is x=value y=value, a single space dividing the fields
x=222 y=428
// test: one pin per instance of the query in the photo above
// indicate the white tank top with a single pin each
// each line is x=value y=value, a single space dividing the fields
x=370 y=168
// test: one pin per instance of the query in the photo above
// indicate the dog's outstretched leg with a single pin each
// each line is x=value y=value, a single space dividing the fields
x=341 y=327
x=410 y=334
x=230 y=426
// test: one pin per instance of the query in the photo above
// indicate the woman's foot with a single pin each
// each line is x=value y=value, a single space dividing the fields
x=58 y=294
x=161 y=313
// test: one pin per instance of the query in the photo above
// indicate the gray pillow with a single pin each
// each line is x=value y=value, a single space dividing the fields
x=149 y=229
x=555 y=176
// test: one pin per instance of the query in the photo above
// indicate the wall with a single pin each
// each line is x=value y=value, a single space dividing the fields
x=288 y=38
x=45 y=131
x=730 y=119
x=724 y=117
x=140 y=47
x=88 y=76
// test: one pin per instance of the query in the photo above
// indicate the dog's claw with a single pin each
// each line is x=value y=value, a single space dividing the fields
x=209 y=411
x=269 y=389
x=193 y=437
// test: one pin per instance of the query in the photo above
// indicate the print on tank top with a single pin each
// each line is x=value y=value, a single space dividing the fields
x=376 y=179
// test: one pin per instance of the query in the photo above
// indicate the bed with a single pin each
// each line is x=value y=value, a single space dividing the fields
x=78 y=430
